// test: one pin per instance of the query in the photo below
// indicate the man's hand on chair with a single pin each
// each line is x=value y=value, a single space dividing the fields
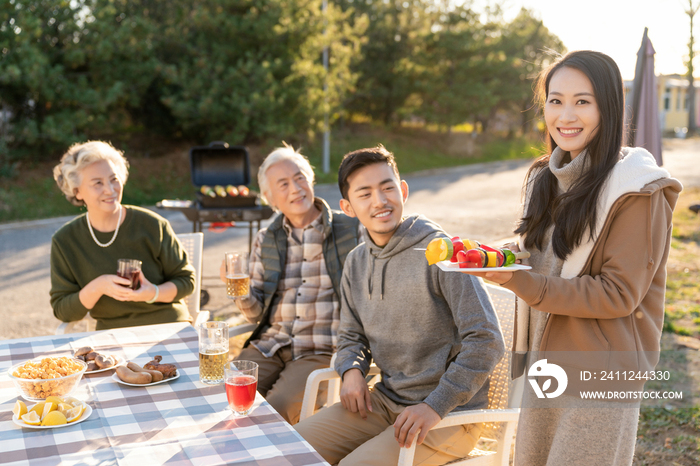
x=412 y=420
x=354 y=394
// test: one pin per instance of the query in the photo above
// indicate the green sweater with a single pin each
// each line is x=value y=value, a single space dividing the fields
x=76 y=260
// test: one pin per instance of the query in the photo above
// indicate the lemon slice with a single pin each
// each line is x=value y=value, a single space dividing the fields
x=54 y=399
x=72 y=401
x=54 y=418
x=31 y=418
x=74 y=414
x=49 y=407
x=20 y=409
x=38 y=408
x=63 y=407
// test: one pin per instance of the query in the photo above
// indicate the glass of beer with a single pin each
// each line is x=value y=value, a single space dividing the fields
x=131 y=270
x=241 y=385
x=237 y=276
x=213 y=352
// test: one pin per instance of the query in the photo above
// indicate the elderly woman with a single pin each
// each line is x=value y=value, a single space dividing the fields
x=85 y=251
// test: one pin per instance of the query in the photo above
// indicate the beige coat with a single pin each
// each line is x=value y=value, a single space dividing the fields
x=610 y=295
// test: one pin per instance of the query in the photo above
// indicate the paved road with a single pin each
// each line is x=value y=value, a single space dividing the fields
x=475 y=201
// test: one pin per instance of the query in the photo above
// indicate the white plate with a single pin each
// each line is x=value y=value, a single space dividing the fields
x=116 y=378
x=120 y=361
x=448 y=266
x=86 y=414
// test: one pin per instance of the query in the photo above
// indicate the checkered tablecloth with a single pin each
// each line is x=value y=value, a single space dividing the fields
x=183 y=422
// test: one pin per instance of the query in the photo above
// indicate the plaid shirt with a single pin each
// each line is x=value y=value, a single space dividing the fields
x=305 y=309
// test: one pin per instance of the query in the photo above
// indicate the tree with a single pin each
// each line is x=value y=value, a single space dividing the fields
x=692 y=125
x=238 y=70
x=388 y=72
x=250 y=69
x=528 y=47
x=40 y=72
x=456 y=68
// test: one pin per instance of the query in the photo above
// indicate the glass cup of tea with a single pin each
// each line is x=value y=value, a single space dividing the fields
x=131 y=270
x=237 y=276
x=213 y=352
x=241 y=385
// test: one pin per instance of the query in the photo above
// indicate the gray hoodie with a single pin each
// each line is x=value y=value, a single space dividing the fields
x=433 y=334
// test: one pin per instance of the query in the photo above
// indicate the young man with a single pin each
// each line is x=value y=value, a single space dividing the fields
x=433 y=334
x=295 y=269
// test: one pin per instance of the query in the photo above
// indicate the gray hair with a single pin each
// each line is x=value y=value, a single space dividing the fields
x=279 y=155
x=68 y=173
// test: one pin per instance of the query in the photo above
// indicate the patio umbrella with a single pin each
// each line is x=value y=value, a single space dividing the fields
x=645 y=127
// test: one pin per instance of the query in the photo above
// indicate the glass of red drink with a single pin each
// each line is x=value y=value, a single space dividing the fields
x=241 y=385
x=131 y=270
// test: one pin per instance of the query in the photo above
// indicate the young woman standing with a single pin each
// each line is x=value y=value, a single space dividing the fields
x=597 y=222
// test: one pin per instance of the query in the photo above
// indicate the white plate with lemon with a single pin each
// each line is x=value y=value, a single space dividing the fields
x=67 y=412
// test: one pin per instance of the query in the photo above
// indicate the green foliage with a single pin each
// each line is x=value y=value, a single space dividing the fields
x=445 y=64
x=39 y=78
x=248 y=70
x=210 y=69
x=390 y=68
x=457 y=69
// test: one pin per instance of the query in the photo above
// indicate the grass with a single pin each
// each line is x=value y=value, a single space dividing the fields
x=669 y=433
x=165 y=173
x=683 y=280
x=417 y=150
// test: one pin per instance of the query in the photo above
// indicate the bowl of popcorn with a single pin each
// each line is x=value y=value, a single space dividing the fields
x=40 y=378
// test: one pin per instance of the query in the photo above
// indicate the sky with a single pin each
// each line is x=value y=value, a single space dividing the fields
x=616 y=27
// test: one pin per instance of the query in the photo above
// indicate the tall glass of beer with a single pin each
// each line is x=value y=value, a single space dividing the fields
x=237 y=275
x=213 y=352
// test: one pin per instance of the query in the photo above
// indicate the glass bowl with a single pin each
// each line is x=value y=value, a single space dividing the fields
x=38 y=389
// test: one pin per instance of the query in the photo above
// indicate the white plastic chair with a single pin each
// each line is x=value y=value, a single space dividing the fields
x=193 y=243
x=499 y=420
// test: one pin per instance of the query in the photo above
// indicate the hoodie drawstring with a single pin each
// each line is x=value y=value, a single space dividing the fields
x=381 y=285
x=371 y=274
x=369 y=277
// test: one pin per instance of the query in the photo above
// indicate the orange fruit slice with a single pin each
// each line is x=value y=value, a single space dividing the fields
x=438 y=250
x=54 y=418
x=31 y=418
x=20 y=409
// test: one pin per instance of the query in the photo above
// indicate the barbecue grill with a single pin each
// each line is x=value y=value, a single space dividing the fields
x=220 y=164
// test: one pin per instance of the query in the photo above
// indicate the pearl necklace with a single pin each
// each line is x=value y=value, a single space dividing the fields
x=116 y=231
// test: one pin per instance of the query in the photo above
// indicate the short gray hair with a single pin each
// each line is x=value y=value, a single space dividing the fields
x=80 y=155
x=278 y=155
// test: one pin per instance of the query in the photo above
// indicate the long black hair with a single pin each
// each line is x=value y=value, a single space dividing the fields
x=574 y=212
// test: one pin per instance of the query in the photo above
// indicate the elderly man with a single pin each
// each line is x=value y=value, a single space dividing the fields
x=295 y=270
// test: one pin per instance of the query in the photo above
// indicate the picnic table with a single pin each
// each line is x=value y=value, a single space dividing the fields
x=182 y=422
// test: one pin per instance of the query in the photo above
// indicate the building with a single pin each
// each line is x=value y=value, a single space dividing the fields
x=673 y=103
